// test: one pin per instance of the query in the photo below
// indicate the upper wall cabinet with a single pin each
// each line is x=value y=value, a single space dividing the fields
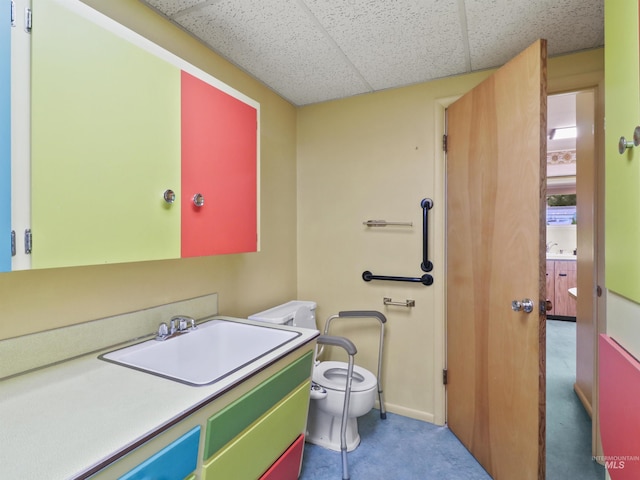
x=136 y=155
x=622 y=100
x=218 y=171
x=5 y=141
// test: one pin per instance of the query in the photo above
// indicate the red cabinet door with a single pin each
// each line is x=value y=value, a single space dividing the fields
x=219 y=162
x=287 y=467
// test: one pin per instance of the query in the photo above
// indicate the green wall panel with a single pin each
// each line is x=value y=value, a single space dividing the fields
x=105 y=145
x=622 y=104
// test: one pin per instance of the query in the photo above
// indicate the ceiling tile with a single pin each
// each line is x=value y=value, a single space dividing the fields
x=310 y=51
x=170 y=7
x=500 y=29
x=396 y=43
x=279 y=43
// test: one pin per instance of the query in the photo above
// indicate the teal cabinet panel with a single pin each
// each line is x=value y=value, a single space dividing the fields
x=5 y=139
x=175 y=461
x=105 y=143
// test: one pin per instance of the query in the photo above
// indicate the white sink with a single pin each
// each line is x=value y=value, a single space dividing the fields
x=214 y=350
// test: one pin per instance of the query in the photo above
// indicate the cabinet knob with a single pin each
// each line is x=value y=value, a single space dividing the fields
x=169 y=196
x=198 y=200
x=548 y=305
x=623 y=144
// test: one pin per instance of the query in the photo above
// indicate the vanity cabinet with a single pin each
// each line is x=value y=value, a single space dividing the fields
x=259 y=426
x=561 y=276
x=124 y=140
x=255 y=434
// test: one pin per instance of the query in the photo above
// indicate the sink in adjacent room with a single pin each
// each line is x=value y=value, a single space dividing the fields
x=213 y=351
x=561 y=256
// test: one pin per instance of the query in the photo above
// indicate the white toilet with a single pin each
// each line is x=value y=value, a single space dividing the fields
x=328 y=384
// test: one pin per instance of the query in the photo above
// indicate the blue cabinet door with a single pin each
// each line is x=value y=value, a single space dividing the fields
x=5 y=138
x=174 y=462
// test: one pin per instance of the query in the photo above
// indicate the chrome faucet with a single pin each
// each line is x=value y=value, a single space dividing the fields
x=550 y=245
x=178 y=325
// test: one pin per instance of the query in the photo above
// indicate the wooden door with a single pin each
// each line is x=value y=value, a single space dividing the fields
x=496 y=180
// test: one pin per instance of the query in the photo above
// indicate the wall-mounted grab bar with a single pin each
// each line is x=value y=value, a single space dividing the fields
x=406 y=303
x=425 y=279
x=384 y=223
x=425 y=265
x=426 y=205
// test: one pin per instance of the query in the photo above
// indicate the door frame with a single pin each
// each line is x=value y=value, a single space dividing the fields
x=574 y=83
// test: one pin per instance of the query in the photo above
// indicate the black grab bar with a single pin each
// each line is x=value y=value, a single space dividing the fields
x=425 y=265
x=426 y=205
x=425 y=279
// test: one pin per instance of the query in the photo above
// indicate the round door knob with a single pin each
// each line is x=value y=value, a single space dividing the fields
x=526 y=305
x=169 y=196
x=198 y=200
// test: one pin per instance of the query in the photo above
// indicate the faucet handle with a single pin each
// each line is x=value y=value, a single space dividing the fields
x=163 y=331
x=182 y=325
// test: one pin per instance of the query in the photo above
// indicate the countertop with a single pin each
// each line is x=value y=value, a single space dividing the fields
x=62 y=420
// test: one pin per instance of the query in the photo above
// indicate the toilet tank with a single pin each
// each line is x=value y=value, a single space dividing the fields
x=283 y=314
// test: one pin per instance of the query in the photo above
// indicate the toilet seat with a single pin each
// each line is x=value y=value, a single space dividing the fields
x=333 y=376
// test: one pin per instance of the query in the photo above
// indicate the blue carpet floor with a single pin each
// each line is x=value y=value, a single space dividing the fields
x=402 y=448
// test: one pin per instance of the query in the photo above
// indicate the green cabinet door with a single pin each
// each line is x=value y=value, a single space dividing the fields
x=105 y=143
x=622 y=192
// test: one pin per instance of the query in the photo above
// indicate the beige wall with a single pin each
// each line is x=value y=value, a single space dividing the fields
x=377 y=156
x=39 y=300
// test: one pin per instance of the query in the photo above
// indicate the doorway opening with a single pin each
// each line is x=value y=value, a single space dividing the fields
x=573 y=266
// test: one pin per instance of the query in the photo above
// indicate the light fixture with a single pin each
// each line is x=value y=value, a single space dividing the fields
x=563 y=132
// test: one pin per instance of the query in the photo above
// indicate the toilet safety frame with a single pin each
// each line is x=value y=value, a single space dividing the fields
x=326 y=339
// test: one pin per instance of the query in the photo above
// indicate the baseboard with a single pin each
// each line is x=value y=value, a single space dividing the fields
x=409 y=412
x=583 y=399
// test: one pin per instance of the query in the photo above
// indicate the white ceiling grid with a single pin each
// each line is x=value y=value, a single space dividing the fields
x=311 y=51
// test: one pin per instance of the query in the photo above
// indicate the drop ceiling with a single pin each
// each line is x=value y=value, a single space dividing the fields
x=311 y=51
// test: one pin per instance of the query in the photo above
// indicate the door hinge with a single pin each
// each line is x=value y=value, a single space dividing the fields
x=28 y=20
x=444 y=143
x=13 y=243
x=444 y=377
x=28 y=238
